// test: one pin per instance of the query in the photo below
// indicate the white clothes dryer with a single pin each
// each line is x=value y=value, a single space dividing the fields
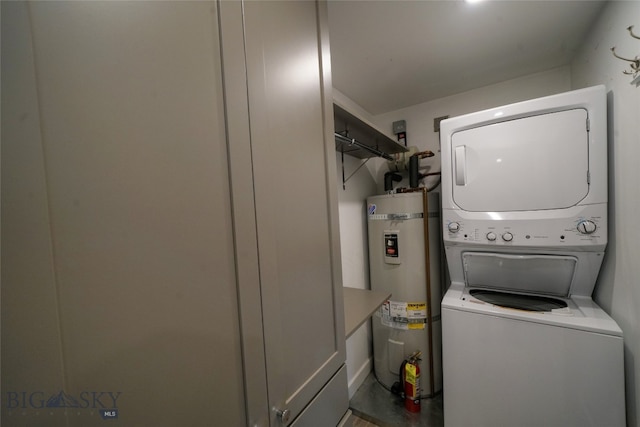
x=524 y=205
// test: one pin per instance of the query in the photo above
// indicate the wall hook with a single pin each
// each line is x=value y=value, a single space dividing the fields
x=634 y=64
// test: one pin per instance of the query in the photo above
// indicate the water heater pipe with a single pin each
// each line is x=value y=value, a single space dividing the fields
x=389 y=178
x=400 y=161
x=413 y=171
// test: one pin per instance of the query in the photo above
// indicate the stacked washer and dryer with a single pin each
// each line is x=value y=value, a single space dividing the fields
x=524 y=216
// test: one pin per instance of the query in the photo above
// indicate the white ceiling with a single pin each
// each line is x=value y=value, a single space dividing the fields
x=391 y=54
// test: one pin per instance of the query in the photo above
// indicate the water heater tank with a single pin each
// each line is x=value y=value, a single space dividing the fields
x=404 y=260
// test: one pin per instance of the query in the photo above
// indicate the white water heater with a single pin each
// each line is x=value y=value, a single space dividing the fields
x=404 y=260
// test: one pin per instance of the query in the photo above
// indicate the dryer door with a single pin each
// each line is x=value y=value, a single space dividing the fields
x=532 y=163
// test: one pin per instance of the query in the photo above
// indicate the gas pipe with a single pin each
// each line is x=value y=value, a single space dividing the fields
x=411 y=376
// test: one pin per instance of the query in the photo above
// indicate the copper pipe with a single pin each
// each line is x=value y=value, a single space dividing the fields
x=425 y=219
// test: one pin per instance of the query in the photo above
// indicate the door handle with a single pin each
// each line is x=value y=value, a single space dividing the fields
x=461 y=165
x=283 y=415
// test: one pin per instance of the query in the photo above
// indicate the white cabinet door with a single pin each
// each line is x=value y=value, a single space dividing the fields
x=118 y=266
x=293 y=163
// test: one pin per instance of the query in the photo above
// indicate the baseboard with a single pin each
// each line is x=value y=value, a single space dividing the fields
x=345 y=420
x=359 y=377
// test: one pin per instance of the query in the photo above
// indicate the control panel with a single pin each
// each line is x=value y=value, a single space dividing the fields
x=584 y=230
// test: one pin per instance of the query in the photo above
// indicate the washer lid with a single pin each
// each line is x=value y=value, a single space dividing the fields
x=542 y=274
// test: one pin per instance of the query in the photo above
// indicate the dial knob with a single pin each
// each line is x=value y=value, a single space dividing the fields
x=587 y=226
x=507 y=237
x=491 y=236
x=453 y=227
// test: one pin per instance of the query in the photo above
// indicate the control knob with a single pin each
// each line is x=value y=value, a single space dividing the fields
x=453 y=227
x=491 y=236
x=507 y=237
x=586 y=226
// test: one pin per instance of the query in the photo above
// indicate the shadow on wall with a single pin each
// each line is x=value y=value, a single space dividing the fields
x=604 y=294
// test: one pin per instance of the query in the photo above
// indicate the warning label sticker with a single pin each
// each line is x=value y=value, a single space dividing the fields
x=403 y=315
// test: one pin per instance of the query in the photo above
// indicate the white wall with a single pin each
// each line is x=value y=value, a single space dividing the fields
x=369 y=180
x=355 y=261
x=353 y=245
x=618 y=287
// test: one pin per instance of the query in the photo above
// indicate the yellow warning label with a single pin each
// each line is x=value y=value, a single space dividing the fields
x=416 y=310
x=404 y=315
x=410 y=373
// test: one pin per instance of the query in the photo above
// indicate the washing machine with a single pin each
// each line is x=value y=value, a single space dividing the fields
x=524 y=216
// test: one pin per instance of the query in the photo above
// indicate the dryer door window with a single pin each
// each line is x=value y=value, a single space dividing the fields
x=532 y=163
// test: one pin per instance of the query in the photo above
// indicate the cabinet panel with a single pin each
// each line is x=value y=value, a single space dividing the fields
x=321 y=412
x=292 y=156
x=242 y=194
x=31 y=346
x=134 y=157
x=143 y=270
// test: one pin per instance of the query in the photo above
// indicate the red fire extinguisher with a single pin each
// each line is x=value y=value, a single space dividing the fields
x=411 y=379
